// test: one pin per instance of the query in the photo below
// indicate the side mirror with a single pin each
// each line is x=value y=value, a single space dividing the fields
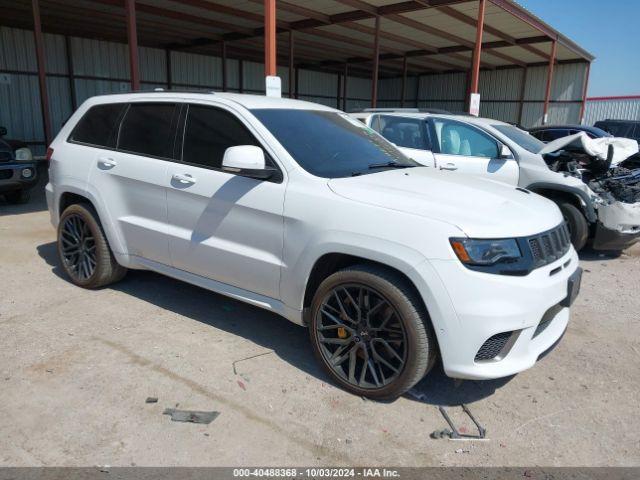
x=505 y=153
x=247 y=161
x=3 y=131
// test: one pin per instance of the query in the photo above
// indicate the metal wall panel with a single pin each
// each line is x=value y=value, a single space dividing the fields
x=532 y=114
x=153 y=65
x=617 y=109
x=505 y=111
x=20 y=109
x=503 y=84
x=17 y=50
x=568 y=82
x=195 y=69
x=317 y=83
x=448 y=86
x=536 y=85
x=359 y=88
x=97 y=58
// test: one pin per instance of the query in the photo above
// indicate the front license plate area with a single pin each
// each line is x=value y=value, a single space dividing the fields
x=573 y=288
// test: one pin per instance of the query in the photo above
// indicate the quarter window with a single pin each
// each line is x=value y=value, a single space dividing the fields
x=455 y=138
x=99 y=126
x=209 y=132
x=147 y=129
x=404 y=132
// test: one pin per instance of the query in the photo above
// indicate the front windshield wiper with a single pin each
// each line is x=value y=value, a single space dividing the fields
x=389 y=165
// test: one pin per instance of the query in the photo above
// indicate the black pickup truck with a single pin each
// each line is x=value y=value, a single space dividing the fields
x=18 y=172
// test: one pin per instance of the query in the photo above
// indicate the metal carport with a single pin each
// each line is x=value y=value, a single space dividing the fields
x=345 y=53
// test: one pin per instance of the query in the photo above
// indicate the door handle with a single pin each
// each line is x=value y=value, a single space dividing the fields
x=107 y=162
x=448 y=166
x=184 y=178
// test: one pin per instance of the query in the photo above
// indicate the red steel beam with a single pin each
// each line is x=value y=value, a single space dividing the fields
x=42 y=77
x=376 y=65
x=477 y=51
x=523 y=90
x=270 y=67
x=547 y=95
x=132 y=41
x=584 y=92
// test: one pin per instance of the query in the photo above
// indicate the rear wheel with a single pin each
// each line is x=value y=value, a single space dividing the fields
x=370 y=332
x=18 y=197
x=83 y=249
x=577 y=223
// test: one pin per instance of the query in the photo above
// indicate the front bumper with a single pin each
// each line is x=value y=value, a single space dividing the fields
x=473 y=307
x=610 y=239
x=12 y=177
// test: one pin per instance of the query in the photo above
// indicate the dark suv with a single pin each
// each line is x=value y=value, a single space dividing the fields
x=549 y=133
x=621 y=128
x=18 y=171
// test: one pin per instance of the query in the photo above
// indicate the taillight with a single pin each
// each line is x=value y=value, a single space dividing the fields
x=49 y=154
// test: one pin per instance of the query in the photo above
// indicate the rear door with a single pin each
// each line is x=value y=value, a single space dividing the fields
x=131 y=178
x=223 y=226
x=465 y=148
x=410 y=135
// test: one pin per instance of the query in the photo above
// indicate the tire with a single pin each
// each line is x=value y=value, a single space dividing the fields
x=18 y=197
x=418 y=349
x=578 y=226
x=81 y=221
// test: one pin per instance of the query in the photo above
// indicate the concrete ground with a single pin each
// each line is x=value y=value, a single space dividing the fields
x=76 y=367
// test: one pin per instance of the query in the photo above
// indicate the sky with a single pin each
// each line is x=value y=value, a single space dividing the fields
x=609 y=29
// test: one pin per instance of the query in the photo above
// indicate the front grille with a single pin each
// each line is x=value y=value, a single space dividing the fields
x=5 y=157
x=492 y=347
x=6 y=174
x=549 y=246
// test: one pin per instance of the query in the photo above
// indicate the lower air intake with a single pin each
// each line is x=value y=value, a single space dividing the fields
x=492 y=347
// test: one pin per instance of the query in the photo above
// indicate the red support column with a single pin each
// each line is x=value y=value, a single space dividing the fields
x=477 y=51
x=42 y=77
x=291 y=66
x=270 y=68
x=376 y=65
x=547 y=95
x=584 y=92
x=404 y=81
x=345 y=76
x=223 y=46
x=132 y=39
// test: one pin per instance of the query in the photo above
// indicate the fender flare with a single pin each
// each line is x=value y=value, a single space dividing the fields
x=590 y=211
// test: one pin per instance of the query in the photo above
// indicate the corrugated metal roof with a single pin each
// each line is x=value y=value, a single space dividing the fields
x=406 y=27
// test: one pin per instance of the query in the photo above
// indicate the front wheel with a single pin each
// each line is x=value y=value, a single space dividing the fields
x=577 y=223
x=370 y=332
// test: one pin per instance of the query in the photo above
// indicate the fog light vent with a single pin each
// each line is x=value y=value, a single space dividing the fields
x=492 y=347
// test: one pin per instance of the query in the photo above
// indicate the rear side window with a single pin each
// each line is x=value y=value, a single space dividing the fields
x=209 y=132
x=99 y=126
x=148 y=129
x=405 y=132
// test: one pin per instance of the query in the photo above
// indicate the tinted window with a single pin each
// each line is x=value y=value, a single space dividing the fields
x=209 y=132
x=455 y=138
x=99 y=126
x=147 y=129
x=405 y=132
x=331 y=144
x=522 y=138
x=617 y=129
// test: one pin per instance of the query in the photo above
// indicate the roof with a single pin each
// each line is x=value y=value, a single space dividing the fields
x=434 y=35
x=251 y=102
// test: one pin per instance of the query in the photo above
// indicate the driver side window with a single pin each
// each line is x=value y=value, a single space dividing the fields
x=456 y=138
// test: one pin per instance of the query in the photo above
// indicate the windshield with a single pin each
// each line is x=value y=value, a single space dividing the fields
x=331 y=144
x=522 y=138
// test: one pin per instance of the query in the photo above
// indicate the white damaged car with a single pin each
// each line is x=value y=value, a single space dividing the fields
x=588 y=179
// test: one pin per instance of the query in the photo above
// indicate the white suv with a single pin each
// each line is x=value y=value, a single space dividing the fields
x=300 y=209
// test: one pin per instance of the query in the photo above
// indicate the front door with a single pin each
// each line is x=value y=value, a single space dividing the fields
x=223 y=226
x=467 y=149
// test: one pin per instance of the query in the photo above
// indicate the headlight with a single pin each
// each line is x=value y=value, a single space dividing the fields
x=24 y=154
x=486 y=252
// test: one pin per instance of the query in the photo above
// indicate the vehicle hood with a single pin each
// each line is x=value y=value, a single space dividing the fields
x=480 y=208
x=623 y=148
